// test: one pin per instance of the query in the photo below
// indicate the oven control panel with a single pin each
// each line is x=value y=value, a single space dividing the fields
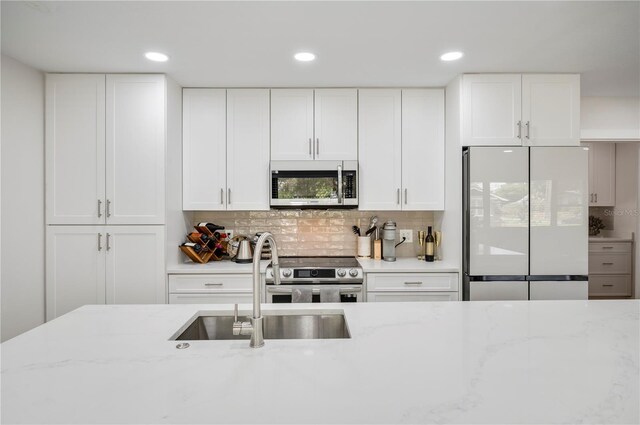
x=317 y=275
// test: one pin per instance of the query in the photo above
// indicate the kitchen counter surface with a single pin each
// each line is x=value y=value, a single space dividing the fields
x=448 y=362
x=609 y=239
x=408 y=265
x=224 y=266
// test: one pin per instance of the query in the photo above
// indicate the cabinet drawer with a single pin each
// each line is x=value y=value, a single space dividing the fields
x=221 y=298
x=609 y=247
x=376 y=297
x=204 y=283
x=602 y=286
x=609 y=263
x=412 y=282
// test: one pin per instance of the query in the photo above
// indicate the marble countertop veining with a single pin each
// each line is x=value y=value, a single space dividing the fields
x=432 y=362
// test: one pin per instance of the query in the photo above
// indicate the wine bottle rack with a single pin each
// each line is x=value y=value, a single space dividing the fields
x=206 y=254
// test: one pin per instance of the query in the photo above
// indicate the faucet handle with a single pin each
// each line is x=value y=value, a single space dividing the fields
x=235 y=313
x=240 y=328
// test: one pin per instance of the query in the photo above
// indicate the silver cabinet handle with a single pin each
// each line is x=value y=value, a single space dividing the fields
x=310 y=153
x=591 y=198
x=519 y=129
x=221 y=196
x=213 y=284
x=413 y=283
x=99 y=241
x=607 y=264
x=405 y=196
x=99 y=208
x=318 y=146
x=607 y=247
x=108 y=208
x=528 y=129
x=340 y=184
x=229 y=196
x=108 y=239
x=607 y=284
x=596 y=195
x=398 y=196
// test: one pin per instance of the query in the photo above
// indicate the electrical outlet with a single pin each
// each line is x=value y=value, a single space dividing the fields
x=406 y=233
x=229 y=233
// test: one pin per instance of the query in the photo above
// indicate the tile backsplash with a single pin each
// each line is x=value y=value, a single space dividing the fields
x=318 y=232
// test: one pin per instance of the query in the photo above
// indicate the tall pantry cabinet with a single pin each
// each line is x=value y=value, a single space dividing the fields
x=105 y=190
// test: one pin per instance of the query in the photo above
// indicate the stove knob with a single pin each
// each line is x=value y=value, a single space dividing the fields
x=341 y=272
x=353 y=273
x=286 y=273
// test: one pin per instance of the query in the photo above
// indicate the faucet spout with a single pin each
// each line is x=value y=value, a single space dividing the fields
x=257 y=338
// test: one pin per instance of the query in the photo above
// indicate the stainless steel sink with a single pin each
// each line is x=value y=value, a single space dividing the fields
x=277 y=325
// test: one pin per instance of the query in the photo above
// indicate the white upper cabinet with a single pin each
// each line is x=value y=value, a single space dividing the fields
x=380 y=148
x=602 y=174
x=401 y=149
x=135 y=141
x=75 y=148
x=551 y=110
x=336 y=124
x=521 y=110
x=204 y=161
x=225 y=149
x=491 y=112
x=105 y=142
x=248 y=149
x=309 y=124
x=292 y=124
x=422 y=149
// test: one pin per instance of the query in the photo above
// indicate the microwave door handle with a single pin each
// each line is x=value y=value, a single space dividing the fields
x=339 y=184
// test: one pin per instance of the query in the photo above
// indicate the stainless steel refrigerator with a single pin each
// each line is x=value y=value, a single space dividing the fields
x=525 y=223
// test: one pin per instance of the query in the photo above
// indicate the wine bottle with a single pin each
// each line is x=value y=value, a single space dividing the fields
x=195 y=246
x=210 y=226
x=429 y=245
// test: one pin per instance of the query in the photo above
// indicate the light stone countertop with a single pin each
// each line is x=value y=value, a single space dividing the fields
x=432 y=362
x=407 y=265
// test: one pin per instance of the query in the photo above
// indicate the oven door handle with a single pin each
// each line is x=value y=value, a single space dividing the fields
x=345 y=291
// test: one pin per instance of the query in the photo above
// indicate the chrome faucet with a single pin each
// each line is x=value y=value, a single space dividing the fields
x=254 y=328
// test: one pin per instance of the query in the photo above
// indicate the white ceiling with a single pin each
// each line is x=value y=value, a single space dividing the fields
x=358 y=43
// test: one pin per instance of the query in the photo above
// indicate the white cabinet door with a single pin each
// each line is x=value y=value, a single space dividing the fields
x=498 y=211
x=204 y=156
x=75 y=268
x=380 y=149
x=75 y=148
x=135 y=265
x=423 y=149
x=492 y=106
x=602 y=174
x=291 y=124
x=336 y=124
x=135 y=140
x=559 y=232
x=551 y=109
x=247 y=149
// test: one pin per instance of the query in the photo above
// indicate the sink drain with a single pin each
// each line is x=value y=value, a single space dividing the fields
x=183 y=345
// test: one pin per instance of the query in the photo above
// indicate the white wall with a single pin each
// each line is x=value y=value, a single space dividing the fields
x=22 y=250
x=610 y=118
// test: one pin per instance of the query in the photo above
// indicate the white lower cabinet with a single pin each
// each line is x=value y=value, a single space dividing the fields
x=211 y=288
x=103 y=264
x=395 y=287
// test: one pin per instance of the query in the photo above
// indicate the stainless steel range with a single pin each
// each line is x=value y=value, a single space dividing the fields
x=316 y=279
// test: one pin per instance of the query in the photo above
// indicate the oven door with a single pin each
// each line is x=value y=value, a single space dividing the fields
x=300 y=184
x=282 y=294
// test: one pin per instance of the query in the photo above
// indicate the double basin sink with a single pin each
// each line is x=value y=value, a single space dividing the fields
x=288 y=324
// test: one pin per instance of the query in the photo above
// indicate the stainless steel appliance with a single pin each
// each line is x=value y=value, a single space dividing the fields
x=389 y=241
x=525 y=223
x=340 y=277
x=314 y=184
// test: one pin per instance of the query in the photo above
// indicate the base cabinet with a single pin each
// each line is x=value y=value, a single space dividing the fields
x=399 y=287
x=103 y=264
x=211 y=289
x=610 y=269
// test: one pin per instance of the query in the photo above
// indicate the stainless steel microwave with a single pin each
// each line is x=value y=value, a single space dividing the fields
x=314 y=184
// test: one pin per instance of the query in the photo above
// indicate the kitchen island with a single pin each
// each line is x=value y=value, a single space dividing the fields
x=449 y=362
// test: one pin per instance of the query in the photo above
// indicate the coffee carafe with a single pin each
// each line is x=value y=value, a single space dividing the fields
x=389 y=241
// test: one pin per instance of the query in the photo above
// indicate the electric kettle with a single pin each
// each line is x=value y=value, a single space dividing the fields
x=245 y=252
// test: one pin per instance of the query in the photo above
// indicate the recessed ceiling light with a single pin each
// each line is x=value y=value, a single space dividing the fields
x=156 y=56
x=451 y=56
x=304 y=56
